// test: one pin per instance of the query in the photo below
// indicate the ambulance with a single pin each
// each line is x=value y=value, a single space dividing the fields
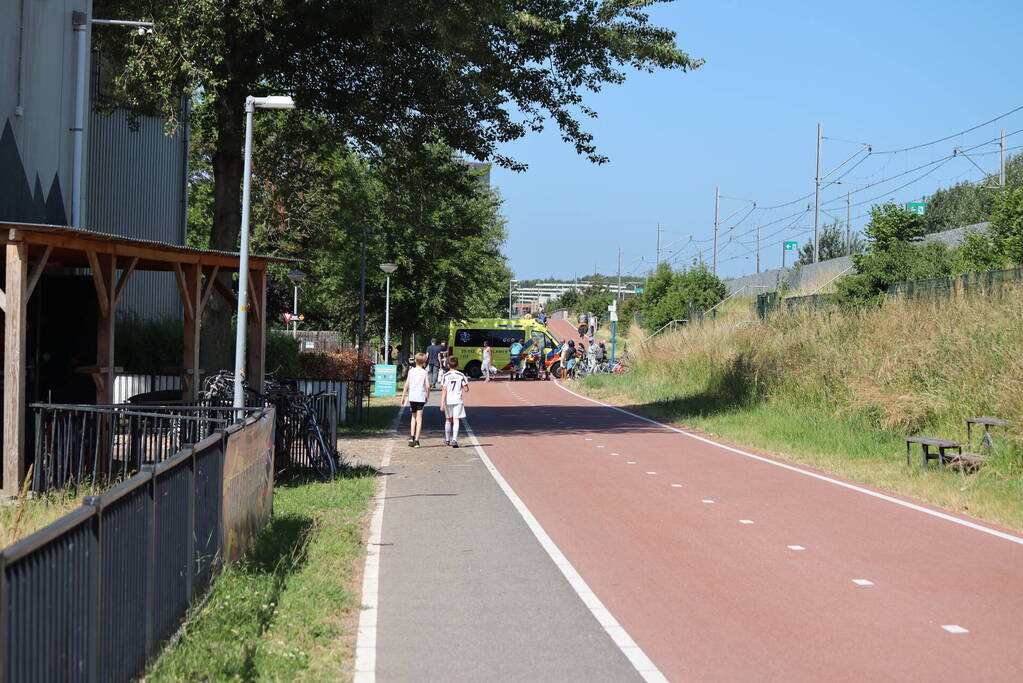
x=466 y=337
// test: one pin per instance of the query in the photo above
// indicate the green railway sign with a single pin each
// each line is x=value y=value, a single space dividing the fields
x=791 y=246
x=919 y=208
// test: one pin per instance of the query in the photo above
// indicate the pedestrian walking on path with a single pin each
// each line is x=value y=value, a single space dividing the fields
x=417 y=392
x=433 y=361
x=488 y=358
x=455 y=383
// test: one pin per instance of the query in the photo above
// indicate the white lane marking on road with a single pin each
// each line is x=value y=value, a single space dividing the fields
x=631 y=462
x=366 y=640
x=796 y=547
x=820 y=477
x=633 y=652
x=599 y=446
x=589 y=439
x=955 y=628
x=676 y=486
x=745 y=521
x=863 y=582
x=651 y=472
x=706 y=500
x=616 y=454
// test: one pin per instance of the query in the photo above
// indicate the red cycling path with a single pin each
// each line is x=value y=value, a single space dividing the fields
x=723 y=566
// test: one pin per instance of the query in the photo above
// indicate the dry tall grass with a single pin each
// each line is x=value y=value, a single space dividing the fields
x=907 y=366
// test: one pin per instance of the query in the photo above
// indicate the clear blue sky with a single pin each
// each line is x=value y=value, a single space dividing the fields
x=892 y=73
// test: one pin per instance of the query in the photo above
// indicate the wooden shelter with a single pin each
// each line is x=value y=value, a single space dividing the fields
x=32 y=249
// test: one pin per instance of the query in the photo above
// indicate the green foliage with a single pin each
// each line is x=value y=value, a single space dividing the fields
x=891 y=223
x=669 y=294
x=148 y=346
x=900 y=261
x=1007 y=225
x=970 y=203
x=282 y=352
x=977 y=252
x=832 y=244
x=569 y=300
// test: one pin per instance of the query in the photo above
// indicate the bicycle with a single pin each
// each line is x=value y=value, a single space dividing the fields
x=322 y=456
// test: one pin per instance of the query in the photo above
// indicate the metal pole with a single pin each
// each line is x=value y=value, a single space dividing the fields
x=243 y=265
x=80 y=23
x=848 y=223
x=362 y=328
x=387 y=321
x=294 y=314
x=817 y=197
x=614 y=336
x=717 y=204
x=657 y=258
x=619 y=296
x=509 y=298
x=783 y=254
x=1001 y=158
x=758 y=250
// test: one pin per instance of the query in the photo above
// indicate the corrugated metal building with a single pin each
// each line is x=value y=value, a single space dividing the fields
x=134 y=180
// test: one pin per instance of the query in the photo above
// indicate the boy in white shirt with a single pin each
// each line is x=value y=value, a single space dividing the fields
x=417 y=391
x=452 y=387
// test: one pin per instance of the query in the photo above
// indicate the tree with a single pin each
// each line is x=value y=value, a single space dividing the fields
x=386 y=73
x=891 y=223
x=970 y=203
x=831 y=244
x=1007 y=225
x=669 y=295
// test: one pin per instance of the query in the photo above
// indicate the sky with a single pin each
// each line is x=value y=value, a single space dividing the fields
x=891 y=74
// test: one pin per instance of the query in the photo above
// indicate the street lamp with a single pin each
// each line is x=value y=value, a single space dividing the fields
x=511 y=284
x=296 y=276
x=388 y=269
x=251 y=105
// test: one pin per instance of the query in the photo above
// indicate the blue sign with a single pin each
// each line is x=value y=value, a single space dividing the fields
x=386 y=380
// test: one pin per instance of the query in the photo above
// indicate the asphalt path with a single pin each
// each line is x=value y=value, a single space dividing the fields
x=466 y=592
x=725 y=566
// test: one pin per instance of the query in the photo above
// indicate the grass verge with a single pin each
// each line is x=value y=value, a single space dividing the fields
x=287 y=611
x=839 y=391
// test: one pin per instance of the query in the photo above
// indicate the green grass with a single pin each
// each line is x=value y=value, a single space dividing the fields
x=848 y=444
x=287 y=611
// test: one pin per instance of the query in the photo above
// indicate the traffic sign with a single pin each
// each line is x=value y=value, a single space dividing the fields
x=919 y=208
x=639 y=289
x=614 y=316
x=791 y=246
x=386 y=377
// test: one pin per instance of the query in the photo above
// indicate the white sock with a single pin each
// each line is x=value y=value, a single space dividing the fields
x=447 y=430
x=454 y=428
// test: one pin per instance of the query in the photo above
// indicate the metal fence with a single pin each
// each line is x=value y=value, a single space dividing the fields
x=95 y=594
x=938 y=289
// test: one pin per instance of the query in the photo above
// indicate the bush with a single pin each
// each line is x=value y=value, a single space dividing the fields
x=1007 y=225
x=282 y=352
x=669 y=294
x=335 y=365
x=148 y=347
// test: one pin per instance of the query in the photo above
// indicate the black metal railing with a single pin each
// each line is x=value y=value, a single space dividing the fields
x=80 y=444
x=95 y=595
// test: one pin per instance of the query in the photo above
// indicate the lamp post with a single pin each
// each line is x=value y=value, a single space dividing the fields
x=296 y=276
x=388 y=269
x=511 y=284
x=251 y=105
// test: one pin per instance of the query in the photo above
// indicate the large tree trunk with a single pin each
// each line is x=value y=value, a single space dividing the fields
x=217 y=325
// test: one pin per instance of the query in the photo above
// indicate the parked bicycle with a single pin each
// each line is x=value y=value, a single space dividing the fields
x=323 y=456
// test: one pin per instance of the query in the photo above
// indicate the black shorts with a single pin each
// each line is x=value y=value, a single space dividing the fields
x=416 y=406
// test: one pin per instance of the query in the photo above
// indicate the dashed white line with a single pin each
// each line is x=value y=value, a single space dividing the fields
x=600 y=446
x=651 y=472
x=796 y=547
x=745 y=521
x=616 y=454
x=863 y=582
x=676 y=486
x=589 y=439
x=955 y=628
x=706 y=500
x=631 y=462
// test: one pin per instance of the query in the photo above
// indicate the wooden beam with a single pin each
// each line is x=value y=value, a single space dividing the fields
x=255 y=306
x=15 y=328
x=123 y=280
x=107 y=267
x=225 y=292
x=256 y=343
x=37 y=270
x=3 y=301
x=192 y=295
x=99 y=282
x=207 y=290
x=186 y=300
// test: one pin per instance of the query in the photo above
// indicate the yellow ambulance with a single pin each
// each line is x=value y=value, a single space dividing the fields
x=466 y=337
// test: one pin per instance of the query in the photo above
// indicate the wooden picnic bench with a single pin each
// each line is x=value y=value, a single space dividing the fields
x=928 y=442
x=975 y=460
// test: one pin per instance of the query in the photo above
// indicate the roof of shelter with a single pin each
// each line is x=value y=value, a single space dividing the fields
x=70 y=247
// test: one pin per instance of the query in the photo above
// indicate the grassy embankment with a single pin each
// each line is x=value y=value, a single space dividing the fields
x=838 y=390
x=288 y=611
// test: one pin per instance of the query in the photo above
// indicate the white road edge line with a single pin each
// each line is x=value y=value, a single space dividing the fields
x=643 y=665
x=366 y=640
x=821 y=477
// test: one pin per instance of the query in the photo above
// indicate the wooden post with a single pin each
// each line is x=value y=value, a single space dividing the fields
x=256 y=346
x=191 y=298
x=15 y=322
x=105 y=290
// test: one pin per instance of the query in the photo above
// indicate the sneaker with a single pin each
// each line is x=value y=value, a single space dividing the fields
x=446 y=442
x=411 y=442
x=454 y=444
x=417 y=444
